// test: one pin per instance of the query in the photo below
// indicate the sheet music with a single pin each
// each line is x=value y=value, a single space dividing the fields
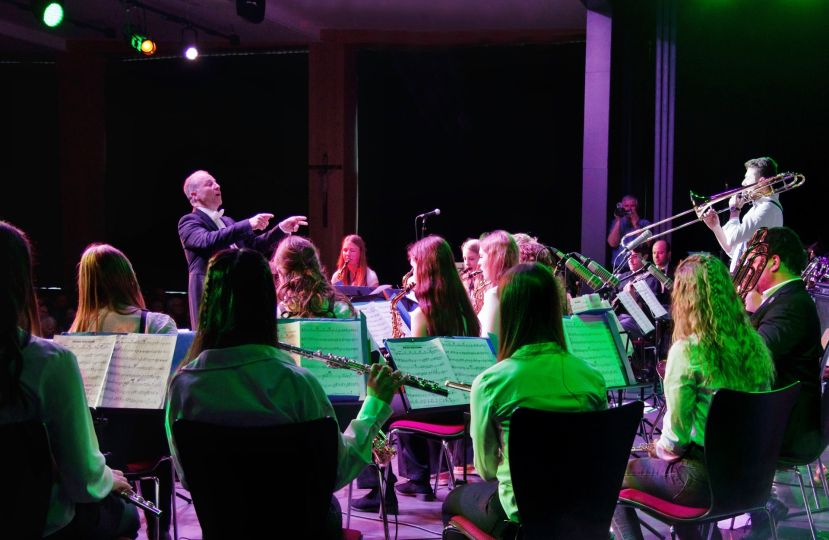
x=636 y=312
x=425 y=357
x=589 y=338
x=341 y=337
x=138 y=371
x=468 y=357
x=378 y=321
x=657 y=309
x=93 y=354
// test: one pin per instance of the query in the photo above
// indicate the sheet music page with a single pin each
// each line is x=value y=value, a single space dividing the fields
x=589 y=338
x=342 y=337
x=425 y=358
x=468 y=357
x=636 y=312
x=93 y=354
x=378 y=320
x=287 y=332
x=138 y=372
x=657 y=309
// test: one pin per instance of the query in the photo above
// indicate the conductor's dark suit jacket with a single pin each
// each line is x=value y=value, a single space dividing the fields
x=201 y=238
x=789 y=324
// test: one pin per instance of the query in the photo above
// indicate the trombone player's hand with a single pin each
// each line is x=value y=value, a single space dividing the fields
x=710 y=218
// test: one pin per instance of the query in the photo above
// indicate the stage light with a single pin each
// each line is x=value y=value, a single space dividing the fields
x=251 y=10
x=189 y=38
x=49 y=12
x=143 y=44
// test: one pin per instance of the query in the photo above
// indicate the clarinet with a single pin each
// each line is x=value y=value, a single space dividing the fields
x=341 y=362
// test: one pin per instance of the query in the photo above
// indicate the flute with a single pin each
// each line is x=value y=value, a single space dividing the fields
x=458 y=386
x=341 y=362
x=140 y=501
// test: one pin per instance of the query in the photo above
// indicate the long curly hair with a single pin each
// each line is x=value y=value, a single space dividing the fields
x=238 y=305
x=302 y=288
x=18 y=309
x=440 y=294
x=360 y=277
x=704 y=304
x=106 y=279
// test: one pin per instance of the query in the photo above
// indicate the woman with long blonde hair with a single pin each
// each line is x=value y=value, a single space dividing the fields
x=109 y=297
x=302 y=289
x=352 y=265
x=499 y=253
x=714 y=347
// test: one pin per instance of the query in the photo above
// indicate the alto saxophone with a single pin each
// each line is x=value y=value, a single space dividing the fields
x=396 y=319
x=478 y=295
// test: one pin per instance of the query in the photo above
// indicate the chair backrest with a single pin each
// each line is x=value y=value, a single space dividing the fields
x=27 y=471
x=262 y=481
x=567 y=468
x=743 y=436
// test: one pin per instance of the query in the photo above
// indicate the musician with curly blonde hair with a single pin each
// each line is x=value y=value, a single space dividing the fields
x=714 y=347
x=302 y=290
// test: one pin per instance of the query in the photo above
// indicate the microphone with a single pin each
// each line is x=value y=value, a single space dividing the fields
x=591 y=280
x=660 y=276
x=638 y=241
x=435 y=212
x=599 y=270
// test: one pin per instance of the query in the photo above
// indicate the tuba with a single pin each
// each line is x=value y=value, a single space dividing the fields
x=751 y=263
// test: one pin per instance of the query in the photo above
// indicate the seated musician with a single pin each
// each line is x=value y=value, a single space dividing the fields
x=110 y=300
x=470 y=250
x=41 y=381
x=499 y=253
x=705 y=309
x=302 y=291
x=352 y=265
x=534 y=369
x=443 y=309
x=234 y=357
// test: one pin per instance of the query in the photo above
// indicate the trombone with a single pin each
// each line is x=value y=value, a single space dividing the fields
x=766 y=187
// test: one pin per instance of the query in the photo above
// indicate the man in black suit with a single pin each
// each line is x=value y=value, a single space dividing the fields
x=205 y=231
x=787 y=320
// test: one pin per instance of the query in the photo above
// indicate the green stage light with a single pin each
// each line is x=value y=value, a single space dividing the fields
x=49 y=12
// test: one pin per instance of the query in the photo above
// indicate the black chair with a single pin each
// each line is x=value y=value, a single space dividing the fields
x=743 y=436
x=27 y=473
x=259 y=482
x=562 y=499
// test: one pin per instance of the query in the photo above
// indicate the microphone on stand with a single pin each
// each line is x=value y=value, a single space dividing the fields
x=660 y=276
x=591 y=280
x=603 y=273
x=435 y=212
x=638 y=241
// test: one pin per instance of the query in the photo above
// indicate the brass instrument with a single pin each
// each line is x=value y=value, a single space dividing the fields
x=700 y=205
x=458 y=386
x=341 y=362
x=478 y=295
x=752 y=263
x=396 y=319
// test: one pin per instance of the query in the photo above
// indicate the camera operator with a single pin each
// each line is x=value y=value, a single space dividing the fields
x=626 y=219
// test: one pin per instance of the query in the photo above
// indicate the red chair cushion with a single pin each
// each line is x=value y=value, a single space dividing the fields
x=469 y=528
x=140 y=467
x=423 y=428
x=351 y=534
x=660 y=505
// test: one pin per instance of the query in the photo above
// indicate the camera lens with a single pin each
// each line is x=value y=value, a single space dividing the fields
x=619 y=211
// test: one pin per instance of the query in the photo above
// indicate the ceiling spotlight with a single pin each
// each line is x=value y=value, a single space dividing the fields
x=48 y=12
x=188 y=38
x=251 y=10
x=143 y=44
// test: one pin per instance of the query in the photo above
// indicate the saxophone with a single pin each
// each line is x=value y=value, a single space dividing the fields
x=396 y=319
x=478 y=295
